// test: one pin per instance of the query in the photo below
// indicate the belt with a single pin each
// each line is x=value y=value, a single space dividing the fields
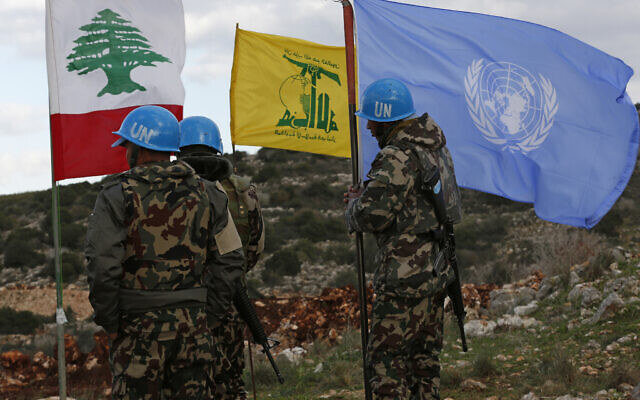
x=146 y=300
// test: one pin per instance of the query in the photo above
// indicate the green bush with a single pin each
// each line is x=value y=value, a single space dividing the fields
x=340 y=254
x=72 y=236
x=21 y=253
x=283 y=262
x=72 y=266
x=610 y=223
x=306 y=251
x=20 y=322
x=483 y=366
x=268 y=172
x=344 y=278
x=6 y=222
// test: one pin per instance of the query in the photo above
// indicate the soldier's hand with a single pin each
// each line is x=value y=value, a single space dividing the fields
x=352 y=194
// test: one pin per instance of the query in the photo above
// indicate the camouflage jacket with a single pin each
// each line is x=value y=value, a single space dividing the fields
x=395 y=207
x=243 y=202
x=160 y=238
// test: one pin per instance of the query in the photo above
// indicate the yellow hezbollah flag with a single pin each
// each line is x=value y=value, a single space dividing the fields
x=289 y=94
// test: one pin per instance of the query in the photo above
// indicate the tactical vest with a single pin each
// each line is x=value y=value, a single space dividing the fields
x=168 y=221
x=234 y=186
x=425 y=218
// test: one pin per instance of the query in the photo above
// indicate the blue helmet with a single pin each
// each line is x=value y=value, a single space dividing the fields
x=151 y=127
x=386 y=100
x=201 y=131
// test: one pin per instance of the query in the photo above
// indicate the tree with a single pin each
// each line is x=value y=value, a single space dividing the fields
x=115 y=48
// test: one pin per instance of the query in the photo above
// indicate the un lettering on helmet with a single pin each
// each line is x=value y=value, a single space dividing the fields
x=383 y=110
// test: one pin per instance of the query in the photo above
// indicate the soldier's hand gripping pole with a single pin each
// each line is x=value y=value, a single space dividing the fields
x=248 y=314
x=448 y=244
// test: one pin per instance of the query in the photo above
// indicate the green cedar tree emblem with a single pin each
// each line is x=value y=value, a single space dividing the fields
x=114 y=47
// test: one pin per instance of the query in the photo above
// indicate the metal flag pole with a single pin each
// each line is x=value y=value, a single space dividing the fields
x=347 y=11
x=61 y=318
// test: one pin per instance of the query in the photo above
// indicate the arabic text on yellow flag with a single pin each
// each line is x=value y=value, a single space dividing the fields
x=289 y=94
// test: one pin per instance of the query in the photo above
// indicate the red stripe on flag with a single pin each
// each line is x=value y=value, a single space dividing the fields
x=82 y=142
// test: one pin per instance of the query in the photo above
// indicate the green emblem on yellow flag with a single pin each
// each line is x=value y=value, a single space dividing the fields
x=289 y=94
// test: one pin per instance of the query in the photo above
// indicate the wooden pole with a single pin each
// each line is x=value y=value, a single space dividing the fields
x=347 y=11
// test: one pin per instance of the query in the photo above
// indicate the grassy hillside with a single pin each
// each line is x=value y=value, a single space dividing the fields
x=307 y=245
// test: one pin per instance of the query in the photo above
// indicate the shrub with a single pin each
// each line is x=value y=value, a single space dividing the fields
x=483 y=366
x=562 y=247
x=268 y=172
x=555 y=366
x=283 y=262
x=72 y=266
x=344 y=278
x=609 y=224
x=6 y=222
x=20 y=322
x=306 y=251
x=340 y=254
x=72 y=236
x=21 y=253
x=597 y=266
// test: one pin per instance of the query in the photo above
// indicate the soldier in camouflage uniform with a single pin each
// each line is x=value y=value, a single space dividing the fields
x=155 y=232
x=201 y=147
x=407 y=320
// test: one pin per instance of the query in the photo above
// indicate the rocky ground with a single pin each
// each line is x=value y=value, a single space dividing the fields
x=589 y=325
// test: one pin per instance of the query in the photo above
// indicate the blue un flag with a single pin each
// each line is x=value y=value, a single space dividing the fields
x=530 y=113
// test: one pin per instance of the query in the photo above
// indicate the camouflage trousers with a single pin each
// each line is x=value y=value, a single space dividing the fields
x=228 y=337
x=404 y=347
x=152 y=359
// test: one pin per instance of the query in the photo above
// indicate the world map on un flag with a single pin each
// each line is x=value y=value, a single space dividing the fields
x=509 y=105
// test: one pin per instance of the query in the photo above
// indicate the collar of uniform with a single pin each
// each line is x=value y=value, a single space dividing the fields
x=160 y=170
x=422 y=130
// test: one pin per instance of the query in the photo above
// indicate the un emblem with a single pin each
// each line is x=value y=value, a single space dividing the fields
x=509 y=105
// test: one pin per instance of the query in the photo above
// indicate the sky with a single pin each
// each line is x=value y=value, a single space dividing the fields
x=611 y=26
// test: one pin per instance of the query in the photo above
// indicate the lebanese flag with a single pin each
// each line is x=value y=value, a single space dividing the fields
x=105 y=58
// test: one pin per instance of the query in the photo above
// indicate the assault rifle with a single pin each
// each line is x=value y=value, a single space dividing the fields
x=248 y=313
x=448 y=245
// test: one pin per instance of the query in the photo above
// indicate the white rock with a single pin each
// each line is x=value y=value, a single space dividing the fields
x=635 y=394
x=515 y=321
x=526 y=310
x=608 y=308
x=510 y=322
x=633 y=300
x=293 y=354
x=590 y=295
x=318 y=368
x=576 y=293
x=593 y=345
x=479 y=327
x=530 y=396
x=628 y=339
x=573 y=278
x=612 y=347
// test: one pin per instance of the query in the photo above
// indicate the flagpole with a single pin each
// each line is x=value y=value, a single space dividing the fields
x=61 y=318
x=60 y=315
x=347 y=11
